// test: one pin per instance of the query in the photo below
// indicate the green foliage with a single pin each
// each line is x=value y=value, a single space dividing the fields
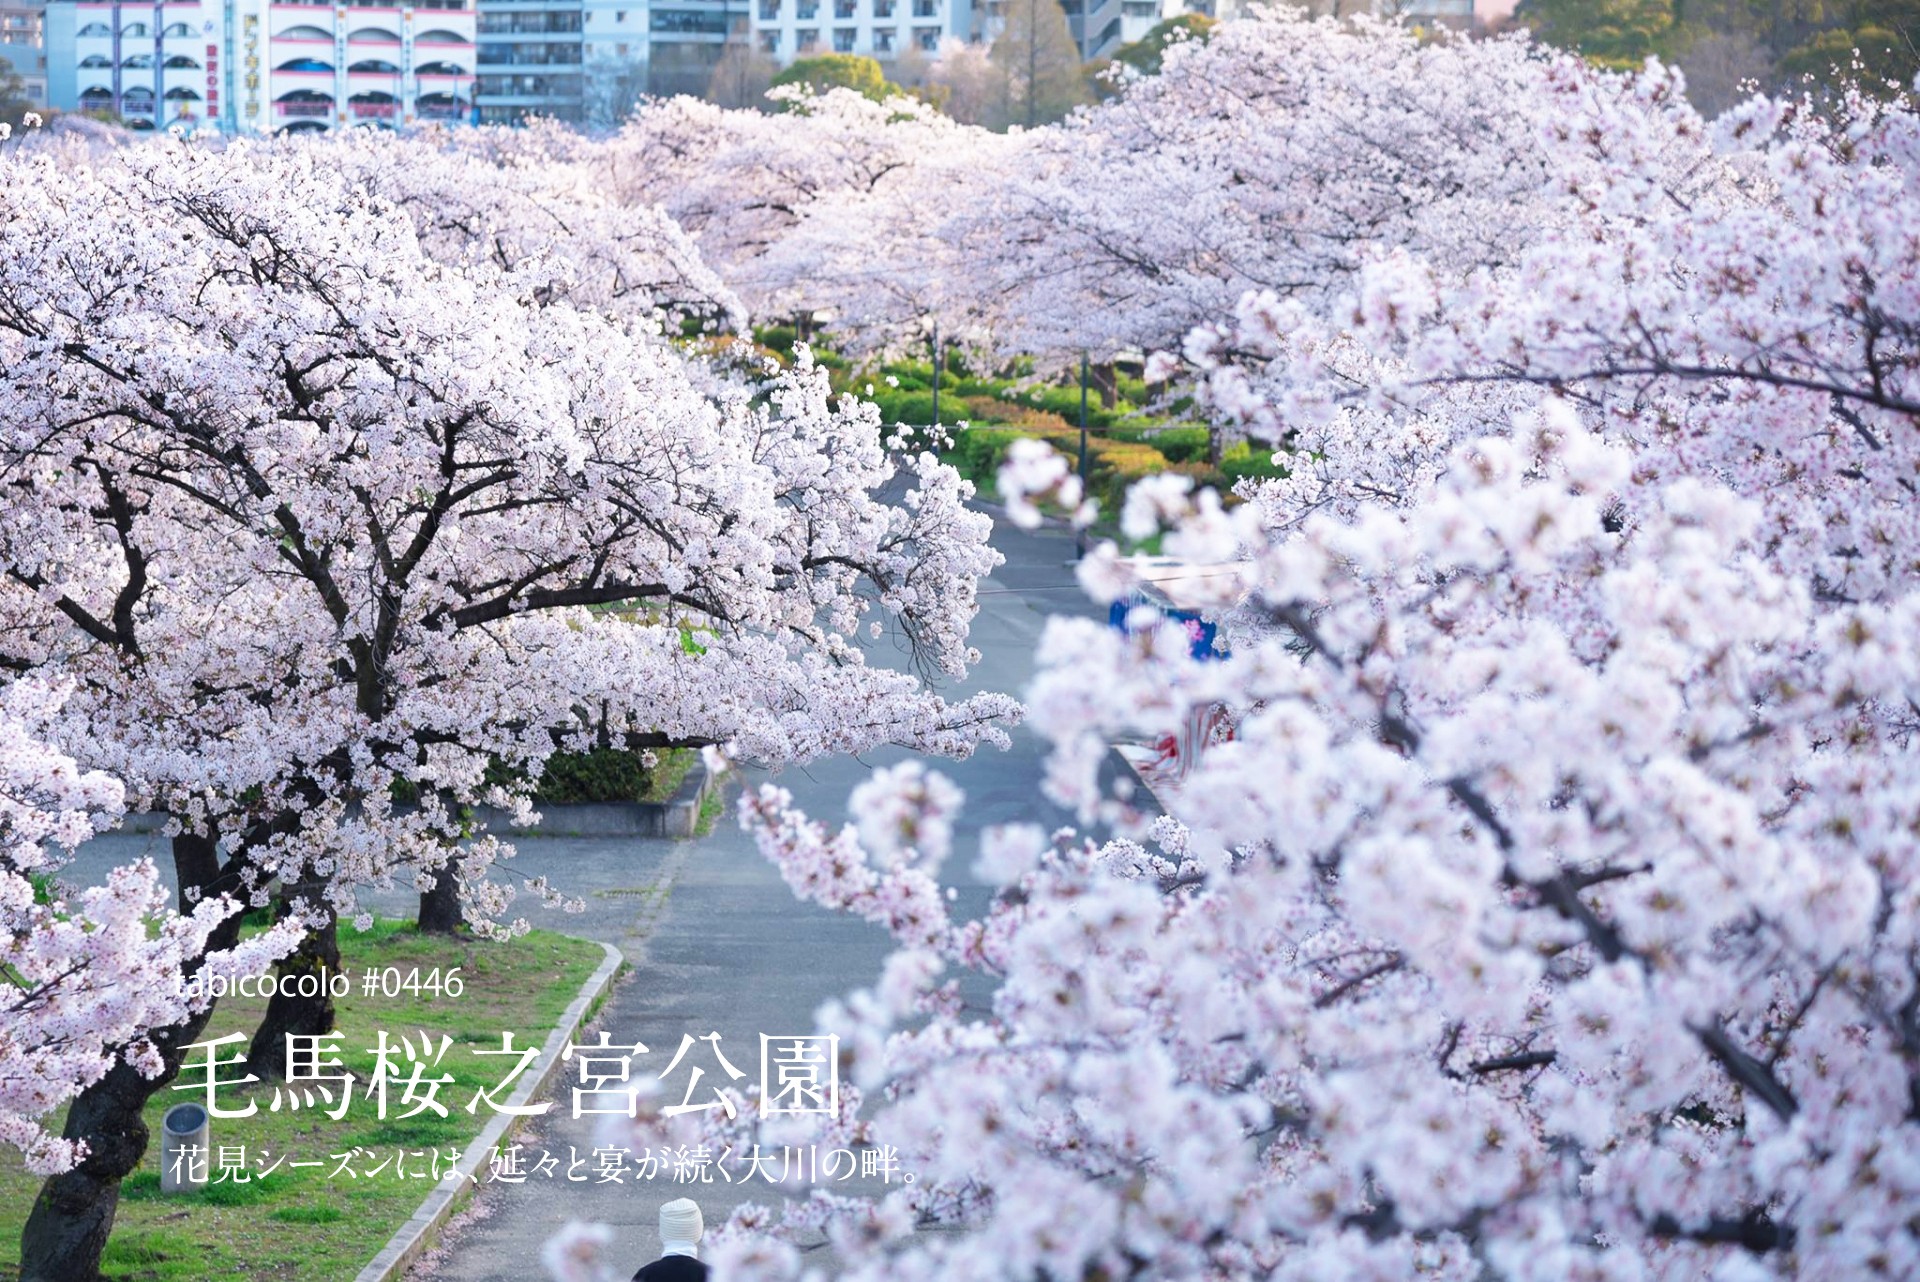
x=839 y=71
x=1179 y=444
x=1779 y=43
x=1144 y=54
x=1244 y=461
x=1621 y=34
x=1881 y=39
x=916 y=407
x=777 y=338
x=612 y=774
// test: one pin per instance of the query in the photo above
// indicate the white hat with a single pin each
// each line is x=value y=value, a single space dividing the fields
x=680 y=1221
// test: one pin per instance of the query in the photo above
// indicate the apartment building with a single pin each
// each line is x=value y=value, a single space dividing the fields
x=883 y=29
x=23 y=46
x=589 y=61
x=256 y=66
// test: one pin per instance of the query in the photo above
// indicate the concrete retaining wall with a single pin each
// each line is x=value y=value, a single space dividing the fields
x=677 y=816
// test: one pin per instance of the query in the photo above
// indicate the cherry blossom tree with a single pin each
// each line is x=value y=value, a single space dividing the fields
x=86 y=979
x=306 y=514
x=738 y=181
x=537 y=213
x=1550 y=913
x=1280 y=156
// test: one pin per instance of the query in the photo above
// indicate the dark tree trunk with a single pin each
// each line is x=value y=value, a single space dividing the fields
x=296 y=1012
x=67 y=1229
x=1105 y=380
x=440 y=907
x=68 y=1226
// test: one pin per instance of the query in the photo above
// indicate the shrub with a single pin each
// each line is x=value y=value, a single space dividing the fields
x=1243 y=460
x=611 y=774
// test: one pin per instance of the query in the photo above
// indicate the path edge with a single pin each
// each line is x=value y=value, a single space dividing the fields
x=411 y=1241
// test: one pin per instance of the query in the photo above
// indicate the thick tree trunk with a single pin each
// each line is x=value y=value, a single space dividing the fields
x=296 y=1007
x=68 y=1226
x=440 y=907
x=67 y=1229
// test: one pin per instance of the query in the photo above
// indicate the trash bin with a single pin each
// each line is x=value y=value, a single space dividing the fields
x=183 y=1149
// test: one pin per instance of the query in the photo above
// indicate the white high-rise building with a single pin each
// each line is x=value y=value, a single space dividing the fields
x=255 y=66
x=883 y=29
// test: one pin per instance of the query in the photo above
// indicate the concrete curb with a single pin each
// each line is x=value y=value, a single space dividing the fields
x=407 y=1245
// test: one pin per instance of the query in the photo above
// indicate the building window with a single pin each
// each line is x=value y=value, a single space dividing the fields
x=807 y=9
x=770 y=42
x=690 y=20
x=883 y=40
x=843 y=39
x=769 y=10
x=926 y=8
x=883 y=8
x=928 y=38
x=806 y=39
x=1140 y=9
x=843 y=9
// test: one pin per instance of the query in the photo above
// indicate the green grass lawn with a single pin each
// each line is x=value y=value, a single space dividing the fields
x=305 y=1224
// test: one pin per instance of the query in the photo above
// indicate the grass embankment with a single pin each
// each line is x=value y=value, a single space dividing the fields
x=299 y=1225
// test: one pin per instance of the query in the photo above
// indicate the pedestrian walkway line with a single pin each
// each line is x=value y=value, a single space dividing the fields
x=405 y=1246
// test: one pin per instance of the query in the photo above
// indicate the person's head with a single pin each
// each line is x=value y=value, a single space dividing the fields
x=680 y=1224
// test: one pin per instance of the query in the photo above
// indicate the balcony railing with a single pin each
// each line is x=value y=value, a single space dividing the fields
x=510 y=24
x=304 y=108
x=489 y=59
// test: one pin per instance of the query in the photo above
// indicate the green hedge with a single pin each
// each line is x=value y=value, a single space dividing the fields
x=601 y=774
x=1242 y=461
x=612 y=774
x=1113 y=464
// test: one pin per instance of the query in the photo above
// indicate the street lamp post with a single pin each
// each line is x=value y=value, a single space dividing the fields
x=936 y=374
x=1079 y=538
